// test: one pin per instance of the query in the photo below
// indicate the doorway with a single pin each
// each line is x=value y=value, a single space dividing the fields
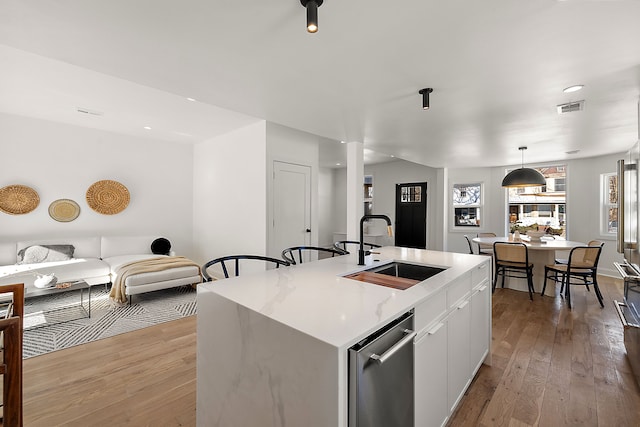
x=291 y=206
x=411 y=215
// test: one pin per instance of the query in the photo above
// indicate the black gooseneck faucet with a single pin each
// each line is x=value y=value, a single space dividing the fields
x=361 y=251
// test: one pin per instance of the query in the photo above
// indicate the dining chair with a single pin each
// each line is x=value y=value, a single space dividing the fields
x=288 y=254
x=511 y=259
x=470 y=244
x=341 y=245
x=581 y=269
x=591 y=243
x=484 y=248
x=235 y=259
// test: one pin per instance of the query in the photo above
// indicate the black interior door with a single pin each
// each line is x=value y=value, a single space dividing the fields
x=411 y=215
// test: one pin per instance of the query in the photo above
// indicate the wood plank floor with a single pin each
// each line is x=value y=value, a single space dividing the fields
x=141 y=378
x=551 y=367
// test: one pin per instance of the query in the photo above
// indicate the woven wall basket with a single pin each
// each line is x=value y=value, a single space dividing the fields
x=18 y=199
x=108 y=197
x=64 y=210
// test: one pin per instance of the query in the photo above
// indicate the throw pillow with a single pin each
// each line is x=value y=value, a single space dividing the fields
x=45 y=253
x=161 y=246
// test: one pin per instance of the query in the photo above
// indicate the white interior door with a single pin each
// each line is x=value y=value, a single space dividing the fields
x=291 y=205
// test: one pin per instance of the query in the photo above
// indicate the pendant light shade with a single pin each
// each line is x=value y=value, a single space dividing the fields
x=524 y=177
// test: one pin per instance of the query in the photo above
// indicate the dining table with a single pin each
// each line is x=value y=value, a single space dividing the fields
x=541 y=252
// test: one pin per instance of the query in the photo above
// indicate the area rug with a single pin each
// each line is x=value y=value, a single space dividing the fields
x=57 y=321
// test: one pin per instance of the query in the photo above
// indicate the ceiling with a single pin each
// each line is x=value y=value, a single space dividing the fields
x=497 y=68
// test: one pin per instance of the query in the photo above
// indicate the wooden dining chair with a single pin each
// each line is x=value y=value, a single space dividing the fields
x=343 y=245
x=591 y=243
x=470 y=244
x=235 y=260
x=511 y=259
x=289 y=253
x=581 y=269
x=483 y=248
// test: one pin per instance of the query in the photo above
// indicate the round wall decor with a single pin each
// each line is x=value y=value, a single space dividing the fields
x=18 y=199
x=108 y=197
x=64 y=210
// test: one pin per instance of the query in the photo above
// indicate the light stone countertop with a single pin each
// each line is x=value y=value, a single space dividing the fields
x=315 y=299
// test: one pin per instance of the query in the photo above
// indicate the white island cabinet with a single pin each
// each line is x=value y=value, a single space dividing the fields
x=272 y=346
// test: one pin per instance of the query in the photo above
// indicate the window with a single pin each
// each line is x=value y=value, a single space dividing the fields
x=609 y=198
x=368 y=194
x=467 y=204
x=411 y=194
x=532 y=207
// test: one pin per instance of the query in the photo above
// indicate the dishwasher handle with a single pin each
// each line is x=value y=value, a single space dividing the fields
x=409 y=336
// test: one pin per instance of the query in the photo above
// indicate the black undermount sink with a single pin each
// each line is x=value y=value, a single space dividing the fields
x=397 y=275
x=407 y=270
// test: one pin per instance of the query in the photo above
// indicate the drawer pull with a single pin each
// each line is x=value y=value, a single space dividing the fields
x=463 y=305
x=483 y=288
x=435 y=329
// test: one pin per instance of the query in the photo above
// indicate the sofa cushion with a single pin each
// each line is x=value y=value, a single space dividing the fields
x=85 y=247
x=161 y=246
x=45 y=253
x=92 y=270
x=125 y=245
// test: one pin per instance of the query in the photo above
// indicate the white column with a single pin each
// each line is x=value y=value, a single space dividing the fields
x=355 y=181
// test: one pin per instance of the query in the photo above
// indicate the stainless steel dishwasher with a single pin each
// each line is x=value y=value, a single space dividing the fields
x=381 y=377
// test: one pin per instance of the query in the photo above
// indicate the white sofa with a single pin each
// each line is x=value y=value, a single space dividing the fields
x=95 y=260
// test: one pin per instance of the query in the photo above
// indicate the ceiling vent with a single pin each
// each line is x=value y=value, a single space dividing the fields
x=89 y=111
x=571 y=107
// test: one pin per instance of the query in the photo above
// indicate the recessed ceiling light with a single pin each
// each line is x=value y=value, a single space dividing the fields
x=191 y=99
x=343 y=142
x=392 y=155
x=147 y=128
x=573 y=88
x=337 y=164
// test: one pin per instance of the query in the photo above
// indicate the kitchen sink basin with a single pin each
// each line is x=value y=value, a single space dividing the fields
x=398 y=275
x=407 y=271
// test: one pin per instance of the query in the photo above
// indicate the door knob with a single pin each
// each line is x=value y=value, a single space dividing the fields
x=308 y=230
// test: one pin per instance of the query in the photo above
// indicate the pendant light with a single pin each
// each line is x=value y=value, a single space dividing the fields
x=312 y=14
x=524 y=177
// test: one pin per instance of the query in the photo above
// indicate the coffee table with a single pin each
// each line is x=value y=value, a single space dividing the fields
x=77 y=285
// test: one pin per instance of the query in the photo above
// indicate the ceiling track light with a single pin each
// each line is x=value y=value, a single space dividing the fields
x=524 y=177
x=312 y=14
x=425 y=97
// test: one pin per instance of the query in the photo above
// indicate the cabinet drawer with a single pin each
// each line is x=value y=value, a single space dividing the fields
x=458 y=289
x=429 y=310
x=480 y=274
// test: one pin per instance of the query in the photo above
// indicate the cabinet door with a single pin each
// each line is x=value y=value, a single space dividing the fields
x=458 y=352
x=480 y=326
x=431 y=406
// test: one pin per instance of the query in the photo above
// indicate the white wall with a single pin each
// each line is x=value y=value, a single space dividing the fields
x=493 y=210
x=326 y=208
x=583 y=204
x=62 y=161
x=385 y=178
x=301 y=148
x=230 y=194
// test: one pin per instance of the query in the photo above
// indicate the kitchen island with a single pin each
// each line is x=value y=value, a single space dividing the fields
x=272 y=346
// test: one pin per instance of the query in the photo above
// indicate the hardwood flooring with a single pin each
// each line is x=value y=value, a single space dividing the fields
x=551 y=367
x=141 y=378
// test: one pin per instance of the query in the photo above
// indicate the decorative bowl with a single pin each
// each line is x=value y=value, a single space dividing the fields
x=535 y=235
